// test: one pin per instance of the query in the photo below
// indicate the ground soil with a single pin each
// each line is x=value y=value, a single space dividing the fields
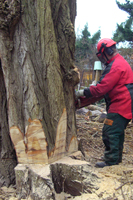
x=117 y=183
x=90 y=137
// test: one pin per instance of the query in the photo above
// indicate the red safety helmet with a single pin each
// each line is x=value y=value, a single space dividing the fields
x=102 y=45
x=107 y=42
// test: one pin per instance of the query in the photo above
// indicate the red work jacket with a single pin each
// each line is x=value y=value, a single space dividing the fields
x=116 y=85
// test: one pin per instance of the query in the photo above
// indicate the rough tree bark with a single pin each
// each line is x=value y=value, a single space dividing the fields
x=37 y=78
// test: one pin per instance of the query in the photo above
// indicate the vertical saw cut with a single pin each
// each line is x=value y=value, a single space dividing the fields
x=73 y=146
x=60 y=143
x=17 y=138
x=36 y=143
x=31 y=148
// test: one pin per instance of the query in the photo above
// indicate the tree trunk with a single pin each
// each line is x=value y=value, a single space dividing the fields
x=37 y=42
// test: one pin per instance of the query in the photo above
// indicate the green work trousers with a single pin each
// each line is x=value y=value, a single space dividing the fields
x=113 y=137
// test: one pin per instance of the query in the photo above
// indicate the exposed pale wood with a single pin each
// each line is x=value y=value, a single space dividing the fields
x=18 y=141
x=32 y=148
x=73 y=145
x=36 y=143
x=60 y=142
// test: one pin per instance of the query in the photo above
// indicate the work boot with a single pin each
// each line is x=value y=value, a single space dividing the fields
x=103 y=159
x=101 y=164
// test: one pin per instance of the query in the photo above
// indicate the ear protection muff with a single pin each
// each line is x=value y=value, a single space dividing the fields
x=108 y=50
x=102 y=51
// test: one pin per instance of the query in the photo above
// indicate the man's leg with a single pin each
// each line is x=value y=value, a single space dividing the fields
x=121 y=142
x=113 y=138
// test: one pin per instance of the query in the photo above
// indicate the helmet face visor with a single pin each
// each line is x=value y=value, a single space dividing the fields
x=101 y=57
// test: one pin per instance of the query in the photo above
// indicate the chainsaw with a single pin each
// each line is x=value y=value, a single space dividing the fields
x=83 y=101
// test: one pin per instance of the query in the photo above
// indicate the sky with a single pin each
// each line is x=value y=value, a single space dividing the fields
x=99 y=14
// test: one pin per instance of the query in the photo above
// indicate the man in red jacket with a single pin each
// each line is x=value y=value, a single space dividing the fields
x=116 y=85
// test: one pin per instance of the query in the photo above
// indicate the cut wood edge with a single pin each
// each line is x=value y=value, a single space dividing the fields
x=36 y=143
x=32 y=148
x=73 y=147
x=17 y=138
x=60 y=142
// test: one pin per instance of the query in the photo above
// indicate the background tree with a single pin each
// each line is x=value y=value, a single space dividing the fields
x=124 y=31
x=85 y=54
x=37 y=43
x=85 y=48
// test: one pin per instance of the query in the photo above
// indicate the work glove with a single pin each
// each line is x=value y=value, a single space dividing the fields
x=78 y=94
x=93 y=83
